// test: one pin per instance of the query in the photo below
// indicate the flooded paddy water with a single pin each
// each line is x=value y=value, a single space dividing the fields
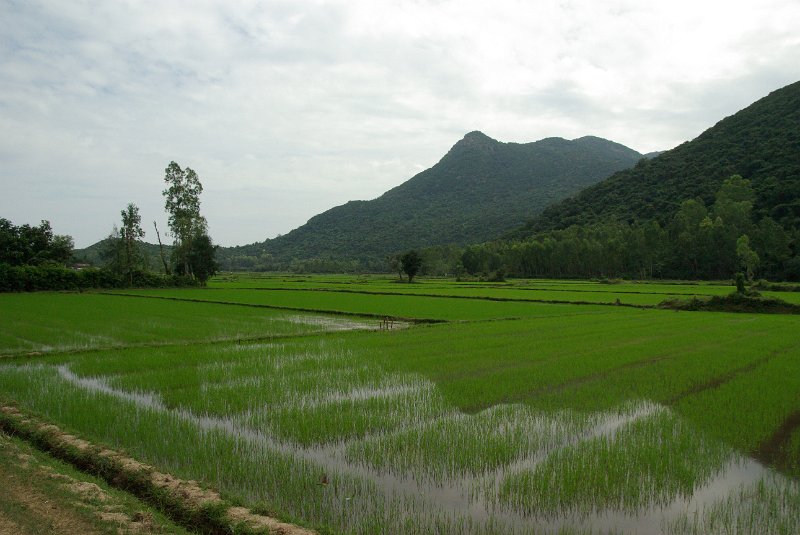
x=420 y=431
x=481 y=489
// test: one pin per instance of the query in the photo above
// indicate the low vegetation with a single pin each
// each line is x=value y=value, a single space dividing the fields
x=43 y=495
x=735 y=302
x=498 y=418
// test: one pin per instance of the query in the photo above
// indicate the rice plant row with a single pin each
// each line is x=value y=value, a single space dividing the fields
x=568 y=419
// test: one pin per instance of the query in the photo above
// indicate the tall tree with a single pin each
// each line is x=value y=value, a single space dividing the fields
x=182 y=202
x=130 y=233
x=412 y=262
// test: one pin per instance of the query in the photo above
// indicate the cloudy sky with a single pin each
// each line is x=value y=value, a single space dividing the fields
x=288 y=108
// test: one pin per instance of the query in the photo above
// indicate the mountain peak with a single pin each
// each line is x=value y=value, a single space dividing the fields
x=477 y=138
x=480 y=190
x=475 y=141
x=476 y=134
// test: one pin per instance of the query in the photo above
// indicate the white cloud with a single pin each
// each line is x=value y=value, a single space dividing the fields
x=287 y=108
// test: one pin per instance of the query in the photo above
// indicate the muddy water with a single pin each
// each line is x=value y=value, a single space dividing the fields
x=462 y=500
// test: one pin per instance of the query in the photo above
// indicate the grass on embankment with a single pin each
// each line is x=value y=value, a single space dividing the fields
x=196 y=508
x=42 y=494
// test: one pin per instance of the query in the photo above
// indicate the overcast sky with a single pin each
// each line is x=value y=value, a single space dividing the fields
x=288 y=108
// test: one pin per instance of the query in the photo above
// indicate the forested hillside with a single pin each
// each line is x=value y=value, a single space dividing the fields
x=479 y=190
x=726 y=202
x=761 y=143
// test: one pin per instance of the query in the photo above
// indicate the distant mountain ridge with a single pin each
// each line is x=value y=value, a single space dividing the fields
x=151 y=254
x=760 y=143
x=479 y=190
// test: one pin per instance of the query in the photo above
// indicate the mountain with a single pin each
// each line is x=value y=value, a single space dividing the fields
x=760 y=143
x=479 y=190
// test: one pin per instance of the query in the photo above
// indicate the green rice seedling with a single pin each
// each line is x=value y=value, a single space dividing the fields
x=548 y=423
x=766 y=506
x=51 y=322
x=667 y=374
x=747 y=410
x=521 y=289
x=653 y=460
x=240 y=464
x=461 y=445
x=396 y=305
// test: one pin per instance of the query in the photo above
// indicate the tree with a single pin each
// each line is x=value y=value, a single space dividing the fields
x=411 y=262
x=395 y=265
x=748 y=258
x=734 y=205
x=113 y=252
x=27 y=245
x=130 y=233
x=687 y=249
x=183 y=206
x=201 y=258
x=771 y=242
x=161 y=250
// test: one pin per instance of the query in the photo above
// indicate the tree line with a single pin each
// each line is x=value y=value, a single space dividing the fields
x=699 y=242
x=34 y=258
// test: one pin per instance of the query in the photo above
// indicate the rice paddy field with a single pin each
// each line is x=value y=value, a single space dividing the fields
x=361 y=405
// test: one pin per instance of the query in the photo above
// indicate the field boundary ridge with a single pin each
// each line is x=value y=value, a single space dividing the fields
x=185 y=501
x=449 y=296
x=280 y=307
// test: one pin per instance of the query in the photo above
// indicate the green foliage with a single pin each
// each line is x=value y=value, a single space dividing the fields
x=759 y=142
x=411 y=263
x=481 y=189
x=52 y=277
x=698 y=243
x=521 y=421
x=130 y=233
x=740 y=288
x=748 y=258
x=201 y=258
x=394 y=264
x=49 y=322
x=112 y=252
x=33 y=258
x=740 y=301
x=26 y=245
x=182 y=202
x=98 y=254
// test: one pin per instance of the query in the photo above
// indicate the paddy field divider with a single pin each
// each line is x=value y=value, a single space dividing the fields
x=185 y=501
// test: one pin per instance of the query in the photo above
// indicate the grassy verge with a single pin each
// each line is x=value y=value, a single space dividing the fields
x=41 y=494
x=192 y=506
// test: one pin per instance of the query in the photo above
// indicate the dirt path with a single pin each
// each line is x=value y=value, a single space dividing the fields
x=42 y=495
x=34 y=511
x=200 y=507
